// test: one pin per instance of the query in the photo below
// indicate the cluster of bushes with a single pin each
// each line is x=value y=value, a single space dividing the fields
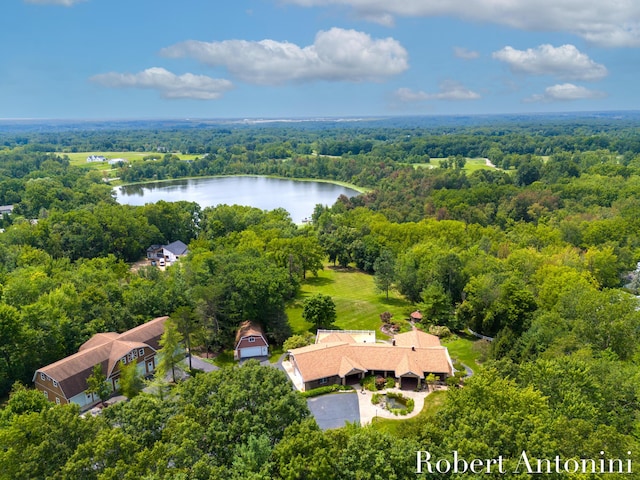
x=440 y=331
x=326 y=389
x=374 y=383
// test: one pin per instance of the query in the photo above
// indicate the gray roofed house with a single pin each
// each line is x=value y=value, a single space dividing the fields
x=169 y=253
x=174 y=251
x=8 y=209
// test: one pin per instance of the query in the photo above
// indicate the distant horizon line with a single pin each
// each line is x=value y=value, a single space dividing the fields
x=320 y=118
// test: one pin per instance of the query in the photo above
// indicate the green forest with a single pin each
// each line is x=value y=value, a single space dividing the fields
x=539 y=249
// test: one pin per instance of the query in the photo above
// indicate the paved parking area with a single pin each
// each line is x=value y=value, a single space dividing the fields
x=332 y=411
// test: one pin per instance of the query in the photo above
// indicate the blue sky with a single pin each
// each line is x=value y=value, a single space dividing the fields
x=112 y=59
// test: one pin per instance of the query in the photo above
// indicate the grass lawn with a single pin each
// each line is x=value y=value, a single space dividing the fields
x=467 y=349
x=358 y=303
x=432 y=404
x=471 y=165
x=224 y=359
x=80 y=158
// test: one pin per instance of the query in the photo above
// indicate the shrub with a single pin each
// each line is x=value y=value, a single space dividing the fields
x=459 y=366
x=386 y=317
x=440 y=331
x=390 y=382
x=380 y=382
x=369 y=383
x=376 y=398
x=326 y=389
x=452 y=381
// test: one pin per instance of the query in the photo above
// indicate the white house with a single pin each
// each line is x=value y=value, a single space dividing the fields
x=174 y=251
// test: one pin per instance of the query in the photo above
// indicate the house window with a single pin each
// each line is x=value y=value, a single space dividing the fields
x=46 y=394
x=322 y=381
x=141 y=352
x=124 y=360
x=42 y=376
x=89 y=397
x=252 y=339
x=57 y=401
x=131 y=357
x=55 y=384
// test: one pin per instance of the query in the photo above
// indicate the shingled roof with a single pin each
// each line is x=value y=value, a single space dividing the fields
x=177 y=248
x=413 y=354
x=247 y=329
x=105 y=349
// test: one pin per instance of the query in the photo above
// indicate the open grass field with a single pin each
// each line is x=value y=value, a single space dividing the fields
x=399 y=427
x=80 y=158
x=471 y=165
x=358 y=303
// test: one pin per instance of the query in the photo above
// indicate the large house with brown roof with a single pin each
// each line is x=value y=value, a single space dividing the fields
x=250 y=341
x=340 y=358
x=65 y=381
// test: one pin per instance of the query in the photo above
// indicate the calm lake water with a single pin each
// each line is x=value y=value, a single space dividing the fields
x=298 y=198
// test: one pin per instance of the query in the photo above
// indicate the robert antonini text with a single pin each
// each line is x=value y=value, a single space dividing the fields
x=425 y=463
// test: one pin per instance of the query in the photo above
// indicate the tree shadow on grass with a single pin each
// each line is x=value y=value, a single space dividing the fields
x=318 y=281
x=395 y=302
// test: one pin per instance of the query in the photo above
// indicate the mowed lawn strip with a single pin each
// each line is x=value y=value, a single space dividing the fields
x=358 y=302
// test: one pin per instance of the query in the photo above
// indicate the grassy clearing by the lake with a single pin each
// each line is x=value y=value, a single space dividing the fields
x=432 y=403
x=80 y=158
x=358 y=303
x=466 y=349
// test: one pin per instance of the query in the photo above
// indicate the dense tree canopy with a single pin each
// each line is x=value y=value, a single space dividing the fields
x=539 y=253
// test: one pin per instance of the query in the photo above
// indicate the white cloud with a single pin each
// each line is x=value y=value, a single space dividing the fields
x=336 y=55
x=610 y=23
x=449 y=90
x=66 y=3
x=465 y=53
x=168 y=84
x=565 y=62
x=565 y=92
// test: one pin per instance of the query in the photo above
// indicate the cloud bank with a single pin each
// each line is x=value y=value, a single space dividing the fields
x=565 y=62
x=336 y=55
x=168 y=84
x=614 y=23
x=465 y=53
x=449 y=90
x=565 y=92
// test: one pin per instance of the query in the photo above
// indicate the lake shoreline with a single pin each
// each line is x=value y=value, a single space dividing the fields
x=298 y=196
x=319 y=180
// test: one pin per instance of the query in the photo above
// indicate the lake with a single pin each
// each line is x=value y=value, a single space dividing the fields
x=297 y=197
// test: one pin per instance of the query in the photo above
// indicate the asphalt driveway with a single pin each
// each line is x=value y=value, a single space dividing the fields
x=333 y=410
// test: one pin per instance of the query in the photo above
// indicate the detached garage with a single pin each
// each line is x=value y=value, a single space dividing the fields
x=250 y=342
